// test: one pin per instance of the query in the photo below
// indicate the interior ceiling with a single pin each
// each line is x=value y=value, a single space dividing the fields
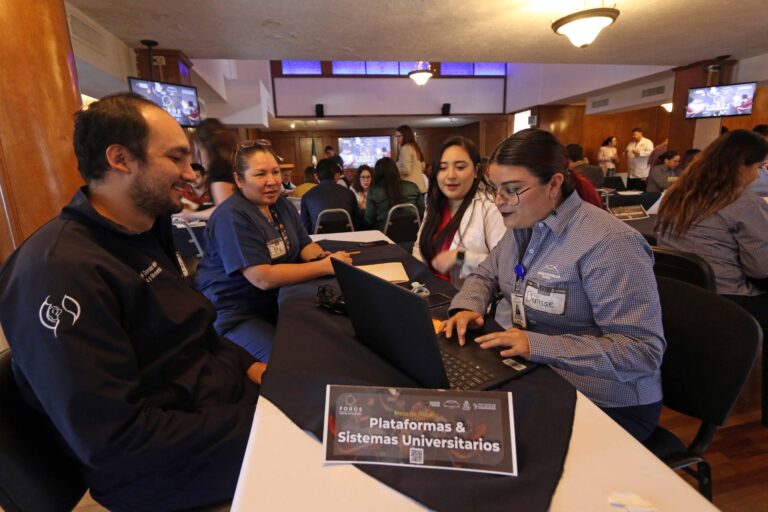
x=663 y=32
x=386 y=124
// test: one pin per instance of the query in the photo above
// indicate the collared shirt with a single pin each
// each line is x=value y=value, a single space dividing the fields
x=661 y=177
x=609 y=340
x=639 y=166
x=760 y=185
x=734 y=241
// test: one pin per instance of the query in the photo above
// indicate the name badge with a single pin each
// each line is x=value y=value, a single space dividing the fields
x=518 y=311
x=276 y=248
x=545 y=299
x=671 y=179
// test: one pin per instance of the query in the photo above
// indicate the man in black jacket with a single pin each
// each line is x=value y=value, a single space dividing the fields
x=327 y=194
x=109 y=341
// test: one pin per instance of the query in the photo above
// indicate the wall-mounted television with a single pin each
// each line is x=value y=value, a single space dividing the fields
x=720 y=101
x=356 y=151
x=178 y=100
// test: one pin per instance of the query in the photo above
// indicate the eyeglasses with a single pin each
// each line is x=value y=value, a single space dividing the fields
x=509 y=195
x=249 y=144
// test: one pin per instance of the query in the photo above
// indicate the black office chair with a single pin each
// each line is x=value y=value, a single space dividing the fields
x=711 y=347
x=333 y=220
x=684 y=266
x=402 y=225
x=189 y=248
x=35 y=473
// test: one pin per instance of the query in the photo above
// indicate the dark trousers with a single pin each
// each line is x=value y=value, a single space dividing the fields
x=639 y=420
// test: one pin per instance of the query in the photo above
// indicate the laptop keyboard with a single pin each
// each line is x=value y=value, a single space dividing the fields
x=463 y=374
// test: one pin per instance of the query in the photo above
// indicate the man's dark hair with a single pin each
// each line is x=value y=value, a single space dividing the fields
x=329 y=147
x=327 y=169
x=761 y=129
x=114 y=119
x=640 y=130
x=575 y=152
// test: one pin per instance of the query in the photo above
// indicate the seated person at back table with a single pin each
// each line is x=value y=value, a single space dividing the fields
x=328 y=194
x=578 y=163
x=387 y=191
x=288 y=186
x=111 y=343
x=711 y=211
x=461 y=224
x=256 y=244
x=310 y=182
x=665 y=172
x=581 y=283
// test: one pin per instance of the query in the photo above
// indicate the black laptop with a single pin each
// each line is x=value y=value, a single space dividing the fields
x=396 y=324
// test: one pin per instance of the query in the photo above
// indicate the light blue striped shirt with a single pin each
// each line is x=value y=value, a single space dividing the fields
x=609 y=342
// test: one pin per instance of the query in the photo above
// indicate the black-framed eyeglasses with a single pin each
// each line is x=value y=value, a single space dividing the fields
x=509 y=194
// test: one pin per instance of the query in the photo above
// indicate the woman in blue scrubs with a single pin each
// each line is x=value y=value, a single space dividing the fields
x=256 y=244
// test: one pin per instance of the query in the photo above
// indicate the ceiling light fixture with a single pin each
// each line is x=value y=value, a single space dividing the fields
x=583 y=27
x=667 y=106
x=422 y=73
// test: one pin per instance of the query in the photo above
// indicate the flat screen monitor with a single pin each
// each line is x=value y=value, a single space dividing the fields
x=720 y=101
x=356 y=151
x=178 y=100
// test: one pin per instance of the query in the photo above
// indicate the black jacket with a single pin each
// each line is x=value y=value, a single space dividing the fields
x=327 y=194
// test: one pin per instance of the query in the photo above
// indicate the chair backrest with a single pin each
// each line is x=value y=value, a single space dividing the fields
x=188 y=248
x=35 y=473
x=684 y=266
x=614 y=182
x=402 y=223
x=711 y=347
x=333 y=220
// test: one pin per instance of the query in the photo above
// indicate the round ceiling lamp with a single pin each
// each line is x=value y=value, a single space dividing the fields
x=422 y=73
x=582 y=27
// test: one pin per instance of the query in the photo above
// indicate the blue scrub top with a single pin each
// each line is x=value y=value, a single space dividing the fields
x=239 y=236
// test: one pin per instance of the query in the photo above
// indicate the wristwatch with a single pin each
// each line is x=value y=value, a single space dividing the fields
x=459 y=258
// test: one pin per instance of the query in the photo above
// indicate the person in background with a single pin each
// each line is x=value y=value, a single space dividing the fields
x=711 y=212
x=348 y=176
x=288 y=186
x=256 y=244
x=461 y=223
x=196 y=194
x=410 y=159
x=217 y=145
x=658 y=150
x=556 y=261
x=310 y=180
x=760 y=185
x=608 y=156
x=326 y=195
x=665 y=172
x=110 y=342
x=330 y=153
x=689 y=157
x=387 y=191
x=363 y=181
x=578 y=163
x=638 y=150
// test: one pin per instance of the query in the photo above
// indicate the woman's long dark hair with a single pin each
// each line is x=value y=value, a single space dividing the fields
x=538 y=151
x=409 y=138
x=386 y=176
x=607 y=142
x=710 y=183
x=356 y=185
x=431 y=240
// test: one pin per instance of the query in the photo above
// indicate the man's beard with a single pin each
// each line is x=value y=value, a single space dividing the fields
x=149 y=200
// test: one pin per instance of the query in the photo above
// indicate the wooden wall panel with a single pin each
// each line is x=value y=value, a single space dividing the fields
x=759 y=113
x=176 y=68
x=566 y=122
x=493 y=130
x=38 y=171
x=654 y=121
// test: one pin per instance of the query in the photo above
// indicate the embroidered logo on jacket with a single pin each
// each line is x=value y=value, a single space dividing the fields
x=51 y=315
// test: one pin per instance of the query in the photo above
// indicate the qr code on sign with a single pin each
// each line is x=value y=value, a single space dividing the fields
x=417 y=455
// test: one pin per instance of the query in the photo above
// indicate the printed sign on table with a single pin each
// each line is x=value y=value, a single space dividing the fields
x=444 y=429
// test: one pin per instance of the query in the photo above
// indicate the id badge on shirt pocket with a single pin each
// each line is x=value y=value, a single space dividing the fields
x=518 y=311
x=276 y=248
x=545 y=299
